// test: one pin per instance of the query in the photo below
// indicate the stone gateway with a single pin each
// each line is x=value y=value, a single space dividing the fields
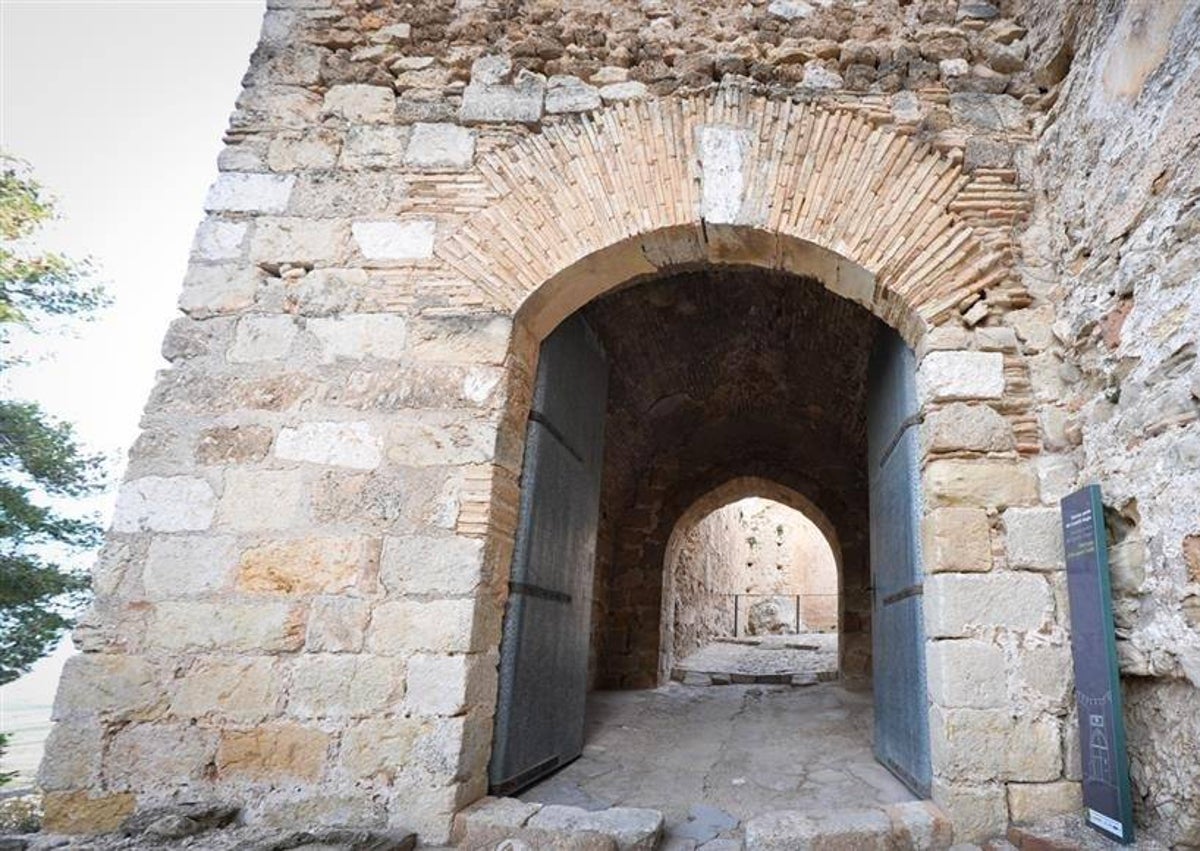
x=914 y=268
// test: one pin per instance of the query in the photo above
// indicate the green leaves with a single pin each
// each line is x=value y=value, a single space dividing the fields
x=42 y=465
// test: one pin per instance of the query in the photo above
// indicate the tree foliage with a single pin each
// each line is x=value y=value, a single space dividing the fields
x=42 y=465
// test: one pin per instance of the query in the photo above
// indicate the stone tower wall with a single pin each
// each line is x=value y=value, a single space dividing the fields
x=299 y=604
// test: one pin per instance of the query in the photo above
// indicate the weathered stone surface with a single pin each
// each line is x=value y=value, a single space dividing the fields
x=780 y=831
x=985 y=745
x=461 y=339
x=374 y=146
x=957 y=540
x=410 y=240
x=339 y=686
x=260 y=338
x=256 y=500
x=519 y=103
x=164 y=504
x=436 y=438
x=116 y=687
x=1031 y=802
x=789 y=10
x=949 y=375
x=360 y=103
x=236 y=192
x=920 y=824
x=978 y=811
x=317 y=149
x=360 y=335
x=981 y=483
x=337 y=444
x=244 y=691
x=218 y=290
x=237 y=444
x=277 y=752
x=183 y=565
x=236 y=627
x=570 y=94
x=379 y=745
x=337 y=624
x=440 y=146
x=179 y=754
x=967 y=673
x=74 y=750
x=962 y=604
x=633 y=829
x=298 y=240
x=179 y=820
x=304 y=566
x=217 y=239
x=85 y=812
x=449 y=685
x=1033 y=538
x=403 y=626
x=621 y=92
x=442 y=566
x=958 y=427
x=344 y=839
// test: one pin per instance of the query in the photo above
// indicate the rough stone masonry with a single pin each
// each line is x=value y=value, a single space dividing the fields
x=298 y=608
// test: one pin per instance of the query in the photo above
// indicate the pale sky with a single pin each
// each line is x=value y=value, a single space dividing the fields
x=119 y=108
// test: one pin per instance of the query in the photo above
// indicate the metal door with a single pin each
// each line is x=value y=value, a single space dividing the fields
x=897 y=628
x=547 y=623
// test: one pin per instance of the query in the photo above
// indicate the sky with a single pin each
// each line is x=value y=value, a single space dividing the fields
x=119 y=108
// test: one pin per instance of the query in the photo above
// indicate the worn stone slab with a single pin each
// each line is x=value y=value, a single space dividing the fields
x=633 y=829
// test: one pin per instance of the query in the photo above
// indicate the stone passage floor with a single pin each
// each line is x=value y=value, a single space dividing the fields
x=711 y=758
x=807 y=656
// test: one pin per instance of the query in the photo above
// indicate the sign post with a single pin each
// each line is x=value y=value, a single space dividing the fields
x=1107 y=799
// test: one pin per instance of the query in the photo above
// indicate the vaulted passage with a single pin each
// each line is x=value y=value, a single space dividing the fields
x=658 y=407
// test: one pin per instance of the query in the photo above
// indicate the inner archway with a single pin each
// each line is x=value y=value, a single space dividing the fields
x=751 y=589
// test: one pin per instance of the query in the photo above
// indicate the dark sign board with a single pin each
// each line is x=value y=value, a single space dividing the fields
x=1107 y=801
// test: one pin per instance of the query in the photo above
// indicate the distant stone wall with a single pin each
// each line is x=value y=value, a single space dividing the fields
x=300 y=601
x=755 y=548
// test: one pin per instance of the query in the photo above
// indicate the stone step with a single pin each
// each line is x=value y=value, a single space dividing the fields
x=506 y=824
x=913 y=826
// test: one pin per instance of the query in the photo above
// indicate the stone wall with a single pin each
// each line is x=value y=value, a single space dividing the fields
x=1117 y=242
x=299 y=604
x=761 y=550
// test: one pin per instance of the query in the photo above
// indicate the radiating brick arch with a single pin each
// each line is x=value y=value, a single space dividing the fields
x=589 y=204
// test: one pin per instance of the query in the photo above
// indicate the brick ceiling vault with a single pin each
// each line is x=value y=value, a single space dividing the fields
x=926 y=234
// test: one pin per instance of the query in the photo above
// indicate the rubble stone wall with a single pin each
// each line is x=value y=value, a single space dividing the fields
x=299 y=605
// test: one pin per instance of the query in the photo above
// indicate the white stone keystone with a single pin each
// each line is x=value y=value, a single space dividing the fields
x=241 y=192
x=337 y=444
x=412 y=240
x=948 y=375
x=722 y=181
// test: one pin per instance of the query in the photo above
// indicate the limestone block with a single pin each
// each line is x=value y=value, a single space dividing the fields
x=217 y=290
x=314 y=149
x=84 y=813
x=347 y=194
x=173 y=754
x=960 y=604
x=217 y=239
x=360 y=335
x=423 y=565
x=722 y=153
x=633 y=829
x=117 y=687
x=920 y=824
x=570 y=94
x=491 y=820
x=242 y=192
x=374 y=146
x=344 y=686
x=379 y=744
x=262 y=338
x=989 y=112
x=164 y=504
x=304 y=566
x=960 y=426
x=978 y=811
x=967 y=673
x=403 y=626
x=233 y=626
x=299 y=241
x=337 y=625
x=184 y=565
x=436 y=438
x=323 y=292
x=72 y=756
x=1032 y=802
x=356 y=102
x=783 y=830
x=1046 y=670
x=243 y=691
x=957 y=540
x=449 y=685
x=1033 y=538
x=819 y=78
x=272 y=753
x=949 y=375
x=622 y=92
x=982 y=483
x=238 y=444
x=429 y=807
x=1057 y=476
x=260 y=500
x=491 y=70
x=440 y=146
x=985 y=745
x=519 y=103
x=279 y=106
x=408 y=240
x=472 y=339
x=789 y=10
x=335 y=444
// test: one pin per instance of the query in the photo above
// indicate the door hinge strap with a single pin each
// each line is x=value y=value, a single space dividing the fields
x=904 y=594
x=541 y=419
x=541 y=593
x=904 y=426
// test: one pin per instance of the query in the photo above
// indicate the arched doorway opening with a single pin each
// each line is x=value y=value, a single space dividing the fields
x=751 y=589
x=652 y=402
